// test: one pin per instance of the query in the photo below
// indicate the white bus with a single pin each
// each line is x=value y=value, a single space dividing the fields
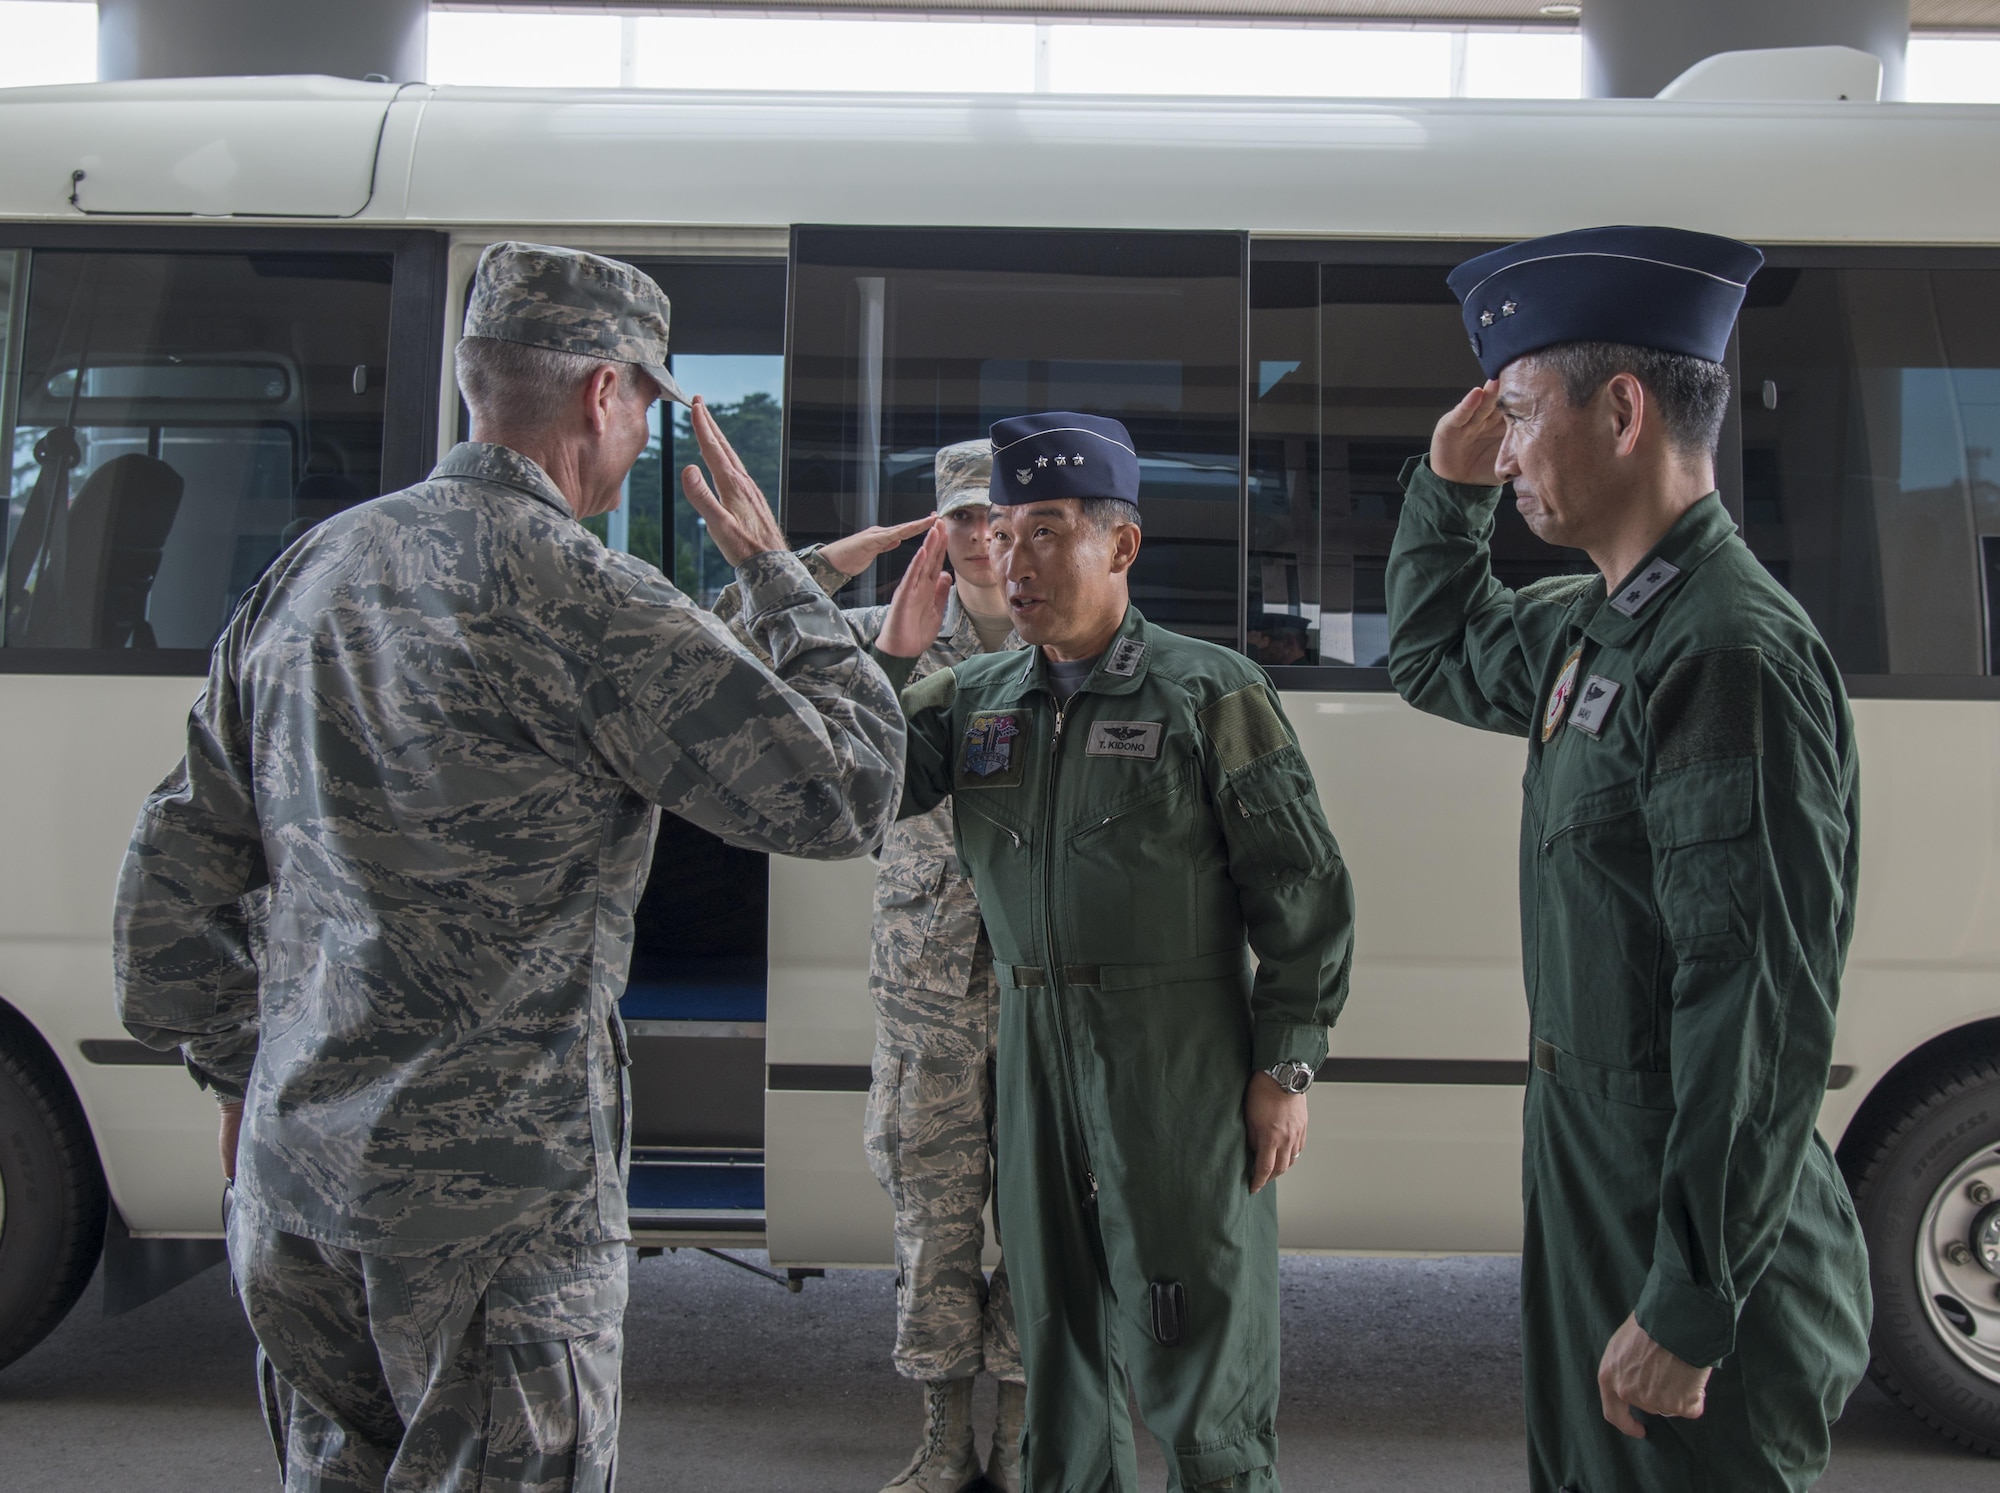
x=236 y=301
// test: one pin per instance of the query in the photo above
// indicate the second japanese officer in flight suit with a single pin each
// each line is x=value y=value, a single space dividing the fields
x=1171 y=925
x=1688 y=854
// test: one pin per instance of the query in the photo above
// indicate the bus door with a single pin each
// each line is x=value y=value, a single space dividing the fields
x=902 y=341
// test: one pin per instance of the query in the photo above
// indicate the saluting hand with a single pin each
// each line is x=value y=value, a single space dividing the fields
x=1466 y=443
x=855 y=553
x=916 y=611
x=1636 y=1373
x=739 y=520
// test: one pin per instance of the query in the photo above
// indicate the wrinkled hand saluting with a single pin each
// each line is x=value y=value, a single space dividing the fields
x=739 y=520
x=1466 y=443
x=916 y=611
x=1636 y=1373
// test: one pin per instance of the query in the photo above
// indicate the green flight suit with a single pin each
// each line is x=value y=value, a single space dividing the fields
x=1688 y=857
x=1132 y=849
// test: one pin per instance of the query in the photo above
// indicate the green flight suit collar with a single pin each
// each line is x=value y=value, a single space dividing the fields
x=1696 y=535
x=485 y=462
x=1120 y=670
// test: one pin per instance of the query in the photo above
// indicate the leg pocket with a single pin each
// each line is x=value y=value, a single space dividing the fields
x=882 y=1127
x=555 y=1342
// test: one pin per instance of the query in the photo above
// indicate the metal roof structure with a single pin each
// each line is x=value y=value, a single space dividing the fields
x=1925 y=15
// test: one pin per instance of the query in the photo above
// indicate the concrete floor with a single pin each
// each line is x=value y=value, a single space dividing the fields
x=1399 y=1374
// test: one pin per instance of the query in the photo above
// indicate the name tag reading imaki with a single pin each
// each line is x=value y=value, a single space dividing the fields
x=1594 y=704
x=1137 y=739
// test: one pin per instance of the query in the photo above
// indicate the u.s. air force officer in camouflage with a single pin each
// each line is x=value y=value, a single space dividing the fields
x=1688 y=853
x=929 y=1130
x=430 y=759
x=1140 y=822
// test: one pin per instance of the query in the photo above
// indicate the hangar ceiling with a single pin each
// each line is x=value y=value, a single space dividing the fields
x=1925 y=15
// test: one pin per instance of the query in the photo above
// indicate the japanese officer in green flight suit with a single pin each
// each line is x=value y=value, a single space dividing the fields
x=1694 y=1286
x=1171 y=926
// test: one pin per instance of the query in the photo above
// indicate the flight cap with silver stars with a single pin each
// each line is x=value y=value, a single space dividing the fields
x=570 y=302
x=1062 y=455
x=1668 y=289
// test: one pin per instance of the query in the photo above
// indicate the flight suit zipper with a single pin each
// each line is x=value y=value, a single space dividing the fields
x=1055 y=963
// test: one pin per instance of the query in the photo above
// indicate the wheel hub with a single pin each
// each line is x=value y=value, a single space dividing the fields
x=1958 y=1263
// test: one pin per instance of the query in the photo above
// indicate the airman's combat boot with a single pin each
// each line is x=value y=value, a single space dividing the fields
x=1003 y=1462
x=946 y=1460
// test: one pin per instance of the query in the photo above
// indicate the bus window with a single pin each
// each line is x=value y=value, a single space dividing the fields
x=727 y=344
x=174 y=421
x=1871 y=458
x=1351 y=366
x=905 y=341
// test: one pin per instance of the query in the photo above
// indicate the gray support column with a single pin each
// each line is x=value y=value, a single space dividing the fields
x=1634 y=48
x=249 y=38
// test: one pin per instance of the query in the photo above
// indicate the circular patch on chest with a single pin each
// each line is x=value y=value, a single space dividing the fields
x=1559 y=697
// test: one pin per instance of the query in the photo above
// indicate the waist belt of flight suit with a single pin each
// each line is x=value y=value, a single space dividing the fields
x=1137 y=976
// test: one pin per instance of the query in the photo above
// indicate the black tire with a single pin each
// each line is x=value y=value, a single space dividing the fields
x=52 y=1227
x=1934 y=1131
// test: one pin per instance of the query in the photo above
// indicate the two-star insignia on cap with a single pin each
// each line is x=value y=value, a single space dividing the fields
x=1507 y=308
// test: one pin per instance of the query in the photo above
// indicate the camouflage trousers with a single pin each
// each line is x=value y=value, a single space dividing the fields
x=390 y=1374
x=929 y=1136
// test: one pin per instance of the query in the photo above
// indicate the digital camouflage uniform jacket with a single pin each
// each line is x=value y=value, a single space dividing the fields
x=436 y=738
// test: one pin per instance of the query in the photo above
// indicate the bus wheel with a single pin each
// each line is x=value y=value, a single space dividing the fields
x=52 y=1198
x=1927 y=1185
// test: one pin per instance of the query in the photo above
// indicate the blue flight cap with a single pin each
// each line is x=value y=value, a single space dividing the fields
x=1062 y=455
x=1662 y=288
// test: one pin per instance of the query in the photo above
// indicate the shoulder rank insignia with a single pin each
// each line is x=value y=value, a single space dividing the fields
x=1559 y=696
x=1125 y=656
x=1647 y=584
x=1594 y=704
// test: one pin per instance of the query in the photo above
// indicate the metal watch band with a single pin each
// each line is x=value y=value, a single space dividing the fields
x=1293 y=1076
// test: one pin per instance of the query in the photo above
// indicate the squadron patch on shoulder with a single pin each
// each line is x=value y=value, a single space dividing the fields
x=1647 y=584
x=1594 y=704
x=1125 y=656
x=1559 y=696
x=989 y=758
x=1139 y=740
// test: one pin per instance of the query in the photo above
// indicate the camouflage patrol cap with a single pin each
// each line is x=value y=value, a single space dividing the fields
x=571 y=302
x=963 y=472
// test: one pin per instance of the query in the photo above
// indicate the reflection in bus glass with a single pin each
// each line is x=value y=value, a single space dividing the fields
x=179 y=420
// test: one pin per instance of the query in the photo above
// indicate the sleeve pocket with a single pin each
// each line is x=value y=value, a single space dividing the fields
x=1704 y=855
x=1272 y=814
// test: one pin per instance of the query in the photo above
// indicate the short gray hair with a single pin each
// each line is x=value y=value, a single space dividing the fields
x=511 y=386
x=1690 y=395
x=1106 y=514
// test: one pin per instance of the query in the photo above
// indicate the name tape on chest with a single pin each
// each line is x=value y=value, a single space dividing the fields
x=1594 y=704
x=1125 y=656
x=1139 y=740
x=1644 y=587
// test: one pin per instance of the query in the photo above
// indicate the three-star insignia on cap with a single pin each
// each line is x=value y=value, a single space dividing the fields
x=1061 y=461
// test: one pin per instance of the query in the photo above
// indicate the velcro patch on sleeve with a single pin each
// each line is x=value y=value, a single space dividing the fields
x=1709 y=706
x=932 y=692
x=1243 y=727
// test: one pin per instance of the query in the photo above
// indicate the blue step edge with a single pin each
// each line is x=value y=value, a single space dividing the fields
x=720 y=989
x=667 y=1188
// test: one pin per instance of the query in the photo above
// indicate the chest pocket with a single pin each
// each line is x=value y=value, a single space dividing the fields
x=1705 y=858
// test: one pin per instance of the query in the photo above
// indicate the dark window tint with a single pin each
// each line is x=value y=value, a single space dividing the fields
x=172 y=422
x=903 y=342
x=1350 y=367
x=1871 y=458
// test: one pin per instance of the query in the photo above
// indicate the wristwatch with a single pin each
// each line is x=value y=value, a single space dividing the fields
x=1293 y=1076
